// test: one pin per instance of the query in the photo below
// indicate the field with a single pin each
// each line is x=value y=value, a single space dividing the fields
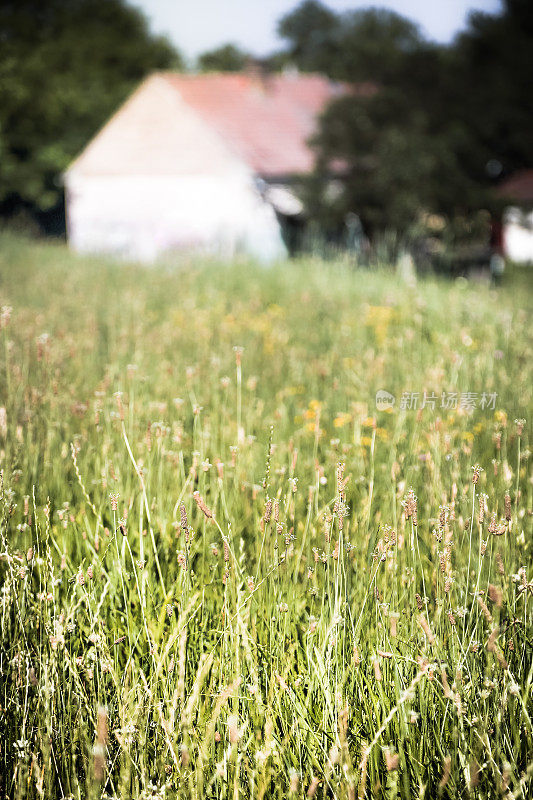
x=226 y=571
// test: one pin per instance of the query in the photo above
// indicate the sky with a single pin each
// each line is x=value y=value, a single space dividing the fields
x=194 y=26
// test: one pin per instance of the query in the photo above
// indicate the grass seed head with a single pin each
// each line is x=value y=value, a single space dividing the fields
x=99 y=756
x=476 y=472
x=507 y=507
x=446 y=772
x=495 y=594
x=184 y=523
x=201 y=504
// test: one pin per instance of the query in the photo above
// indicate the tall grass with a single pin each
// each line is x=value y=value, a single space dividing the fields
x=225 y=573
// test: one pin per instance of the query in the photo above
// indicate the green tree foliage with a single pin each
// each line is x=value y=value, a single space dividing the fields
x=228 y=58
x=493 y=56
x=366 y=44
x=311 y=30
x=65 y=66
x=441 y=124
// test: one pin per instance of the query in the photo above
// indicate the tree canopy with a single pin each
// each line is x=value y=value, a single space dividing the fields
x=443 y=123
x=65 y=67
x=228 y=58
x=365 y=44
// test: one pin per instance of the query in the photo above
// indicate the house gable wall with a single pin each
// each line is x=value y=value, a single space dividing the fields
x=155 y=133
x=141 y=216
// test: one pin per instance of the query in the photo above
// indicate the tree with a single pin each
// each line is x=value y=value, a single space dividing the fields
x=387 y=155
x=373 y=44
x=311 y=30
x=493 y=58
x=362 y=45
x=65 y=66
x=442 y=123
x=379 y=137
x=228 y=58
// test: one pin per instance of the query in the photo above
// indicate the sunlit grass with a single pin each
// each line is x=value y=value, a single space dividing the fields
x=344 y=606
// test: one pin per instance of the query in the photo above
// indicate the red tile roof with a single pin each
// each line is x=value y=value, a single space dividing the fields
x=266 y=122
x=518 y=187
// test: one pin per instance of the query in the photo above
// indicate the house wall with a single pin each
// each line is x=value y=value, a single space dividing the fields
x=518 y=235
x=157 y=178
x=140 y=217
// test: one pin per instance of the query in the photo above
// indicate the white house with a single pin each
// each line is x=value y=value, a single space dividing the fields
x=518 y=216
x=202 y=162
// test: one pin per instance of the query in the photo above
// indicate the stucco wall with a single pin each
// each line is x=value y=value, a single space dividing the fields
x=141 y=217
x=518 y=235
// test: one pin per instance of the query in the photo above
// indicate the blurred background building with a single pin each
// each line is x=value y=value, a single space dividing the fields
x=203 y=162
x=434 y=157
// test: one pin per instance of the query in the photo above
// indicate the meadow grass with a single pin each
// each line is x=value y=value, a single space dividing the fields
x=225 y=572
